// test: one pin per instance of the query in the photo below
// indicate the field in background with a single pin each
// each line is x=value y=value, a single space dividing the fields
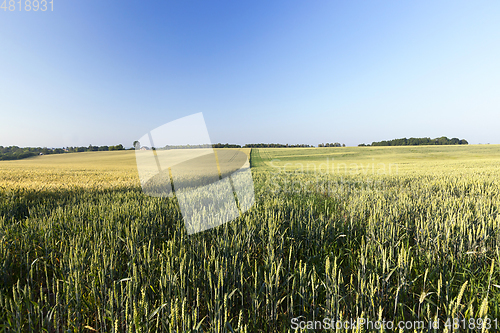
x=81 y=246
x=93 y=170
x=378 y=160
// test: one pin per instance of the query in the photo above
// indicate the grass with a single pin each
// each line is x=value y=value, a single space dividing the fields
x=83 y=249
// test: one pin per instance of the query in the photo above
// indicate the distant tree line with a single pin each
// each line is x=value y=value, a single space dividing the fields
x=336 y=144
x=274 y=145
x=17 y=153
x=95 y=148
x=137 y=145
x=418 y=142
x=181 y=147
x=225 y=145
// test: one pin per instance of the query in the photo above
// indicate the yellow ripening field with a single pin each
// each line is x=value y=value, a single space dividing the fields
x=118 y=168
x=92 y=170
x=96 y=170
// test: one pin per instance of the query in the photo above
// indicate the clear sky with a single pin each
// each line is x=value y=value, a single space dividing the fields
x=107 y=72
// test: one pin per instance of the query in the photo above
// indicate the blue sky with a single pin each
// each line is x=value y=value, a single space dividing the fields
x=107 y=72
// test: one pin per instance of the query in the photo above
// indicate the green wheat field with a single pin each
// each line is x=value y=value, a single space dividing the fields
x=393 y=233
